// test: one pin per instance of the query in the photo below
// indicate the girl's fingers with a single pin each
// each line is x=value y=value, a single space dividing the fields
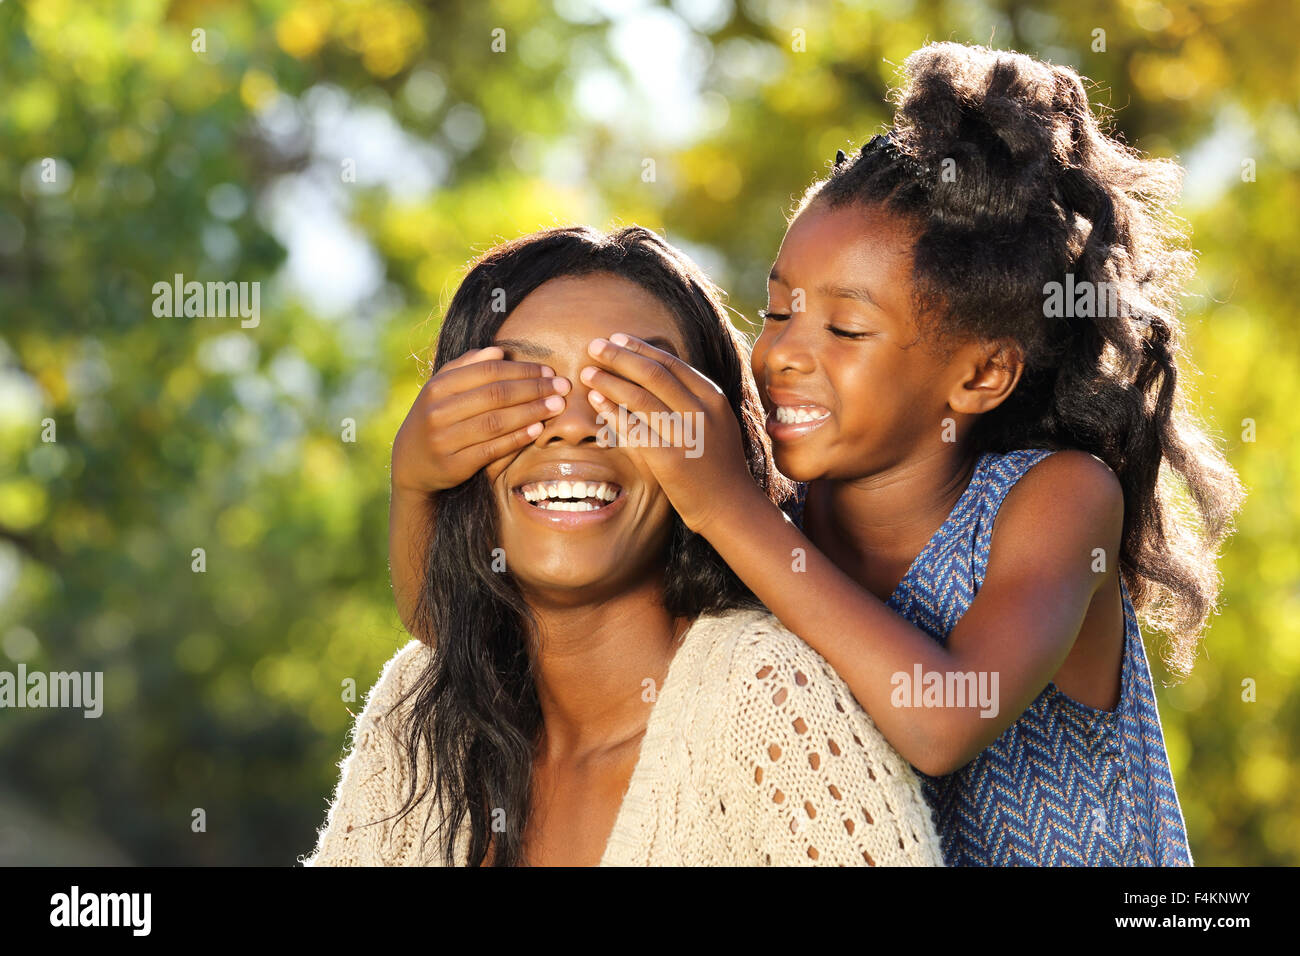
x=657 y=370
x=611 y=420
x=495 y=394
x=474 y=355
x=480 y=370
x=470 y=357
x=609 y=392
x=651 y=376
x=498 y=423
x=484 y=453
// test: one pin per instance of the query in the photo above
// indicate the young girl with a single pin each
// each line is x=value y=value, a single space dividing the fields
x=970 y=359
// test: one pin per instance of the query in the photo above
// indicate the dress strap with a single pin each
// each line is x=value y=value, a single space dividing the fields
x=997 y=475
x=794 y=505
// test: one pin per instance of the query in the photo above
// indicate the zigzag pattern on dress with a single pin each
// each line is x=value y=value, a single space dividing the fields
x=1066 y=784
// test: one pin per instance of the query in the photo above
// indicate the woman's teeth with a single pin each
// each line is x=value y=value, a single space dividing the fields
x=569 y=495
x=792 y=414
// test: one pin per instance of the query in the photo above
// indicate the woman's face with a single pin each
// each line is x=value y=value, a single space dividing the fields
x=597 y=522
x=847 y=389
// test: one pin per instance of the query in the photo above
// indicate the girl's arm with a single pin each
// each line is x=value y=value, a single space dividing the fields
x=1021 y=625
x=410 y=529
x=1018 y=630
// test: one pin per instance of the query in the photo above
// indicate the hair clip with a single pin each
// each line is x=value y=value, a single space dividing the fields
x=921 y=172
x=875 y=142
x=887 y=141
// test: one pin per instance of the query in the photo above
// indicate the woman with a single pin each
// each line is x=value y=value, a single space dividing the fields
x=597 y=686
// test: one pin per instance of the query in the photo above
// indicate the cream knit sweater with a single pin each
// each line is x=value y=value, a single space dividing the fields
x=755 y=754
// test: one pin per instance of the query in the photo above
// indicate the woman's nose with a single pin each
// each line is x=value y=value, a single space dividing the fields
x=578 y=422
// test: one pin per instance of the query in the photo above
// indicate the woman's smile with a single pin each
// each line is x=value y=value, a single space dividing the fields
x=585 y=495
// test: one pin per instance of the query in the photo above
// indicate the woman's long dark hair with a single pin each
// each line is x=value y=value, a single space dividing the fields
x=1011 y=183
x=475 y=719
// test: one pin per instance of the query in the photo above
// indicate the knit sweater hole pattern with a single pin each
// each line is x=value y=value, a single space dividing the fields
x=755 y=754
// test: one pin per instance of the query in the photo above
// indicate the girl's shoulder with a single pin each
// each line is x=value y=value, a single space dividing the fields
x=1065 y=462
x=1040 y=479
x=1053 y=480
x=1039 y=508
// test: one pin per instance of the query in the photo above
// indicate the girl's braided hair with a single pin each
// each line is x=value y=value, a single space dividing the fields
x=1011 y=185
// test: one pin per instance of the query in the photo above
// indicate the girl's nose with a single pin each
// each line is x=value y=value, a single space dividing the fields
x=789 y=346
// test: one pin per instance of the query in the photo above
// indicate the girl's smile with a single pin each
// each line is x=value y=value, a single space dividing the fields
x=791 y=417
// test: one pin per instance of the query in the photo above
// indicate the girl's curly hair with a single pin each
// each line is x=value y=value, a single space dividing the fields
x=1012 y=184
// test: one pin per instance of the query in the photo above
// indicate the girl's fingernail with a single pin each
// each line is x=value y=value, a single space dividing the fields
x=534 y=429
x=555 y=403
x=561 y=385
x=595 y=397
x=596 y=346
x=548 y=371
x=587 y=374
x=618 y=338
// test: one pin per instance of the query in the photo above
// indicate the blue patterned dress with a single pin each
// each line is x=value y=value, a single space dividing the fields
x=1066 y=784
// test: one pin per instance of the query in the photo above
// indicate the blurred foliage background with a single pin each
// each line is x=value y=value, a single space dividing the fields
x=350 y=157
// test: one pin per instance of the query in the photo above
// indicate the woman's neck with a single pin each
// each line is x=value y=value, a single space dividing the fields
x=591 y=665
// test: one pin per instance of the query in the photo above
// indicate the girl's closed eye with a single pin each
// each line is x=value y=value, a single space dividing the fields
x=848 y=333
x=767 y=315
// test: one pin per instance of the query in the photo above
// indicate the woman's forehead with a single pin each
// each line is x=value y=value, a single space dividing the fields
x=580 y=308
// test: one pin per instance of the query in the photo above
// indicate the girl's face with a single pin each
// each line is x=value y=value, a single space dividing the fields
x=848 y=387
x=598 y=522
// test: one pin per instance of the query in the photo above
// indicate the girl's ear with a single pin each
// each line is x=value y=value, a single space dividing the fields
x=987 y=373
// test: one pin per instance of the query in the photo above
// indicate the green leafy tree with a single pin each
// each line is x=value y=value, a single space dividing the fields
x=221 y=141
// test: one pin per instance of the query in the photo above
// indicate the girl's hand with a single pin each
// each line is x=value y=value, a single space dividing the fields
x=687 y=432
x=476 y=409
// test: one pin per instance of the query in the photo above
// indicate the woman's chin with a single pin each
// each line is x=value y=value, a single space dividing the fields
x=566 y=583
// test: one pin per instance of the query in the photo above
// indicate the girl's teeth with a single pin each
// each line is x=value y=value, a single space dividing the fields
x=791 y=415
